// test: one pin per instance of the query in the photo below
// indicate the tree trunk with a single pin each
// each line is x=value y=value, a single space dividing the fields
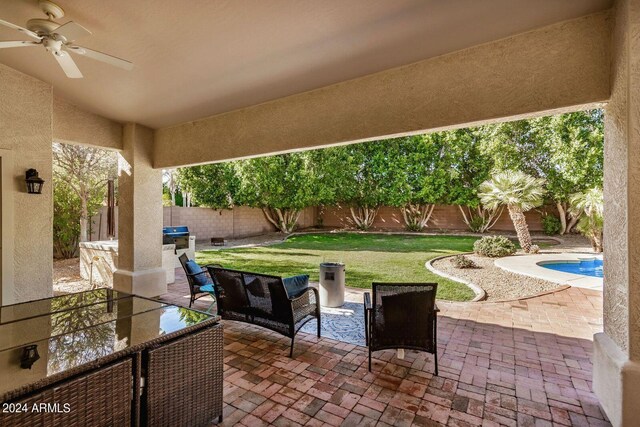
x=285 y=220
x=596 y=241
x=363 y=216
x=417 y=216
x=489 y=218
x=520 y=224
x=563 y=217
x=84 y=219
x=572 y=223
x=568 y=220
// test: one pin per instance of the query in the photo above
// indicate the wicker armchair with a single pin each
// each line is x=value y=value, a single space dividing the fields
x=200 y=283
x=263 y=300
x=403 y=315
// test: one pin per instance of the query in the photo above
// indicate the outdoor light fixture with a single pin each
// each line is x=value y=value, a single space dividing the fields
x=29 y=356
x=34 y=182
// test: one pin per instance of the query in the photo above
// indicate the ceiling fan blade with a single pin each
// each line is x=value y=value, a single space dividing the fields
x=68 y=65
x=17 y=44
x=21 y=29
x=72 y=31
x=94 y=54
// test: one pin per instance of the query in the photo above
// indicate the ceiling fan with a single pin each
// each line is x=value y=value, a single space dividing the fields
x=58 y=39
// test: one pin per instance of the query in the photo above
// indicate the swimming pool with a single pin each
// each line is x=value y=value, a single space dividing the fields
x=587 y=267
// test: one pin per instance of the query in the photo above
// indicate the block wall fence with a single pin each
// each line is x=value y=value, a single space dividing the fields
x=206 y=223
x=244 y=221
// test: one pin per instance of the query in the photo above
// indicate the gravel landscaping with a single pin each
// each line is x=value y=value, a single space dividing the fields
x=66 y=277
x=496 y=282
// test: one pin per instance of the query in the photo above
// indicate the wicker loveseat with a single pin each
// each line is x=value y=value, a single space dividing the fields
x=282 y=305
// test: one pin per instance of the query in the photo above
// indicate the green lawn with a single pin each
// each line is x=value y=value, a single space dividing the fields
x=368 y=258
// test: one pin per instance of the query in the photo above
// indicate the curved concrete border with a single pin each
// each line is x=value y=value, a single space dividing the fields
x=480 y=293
x=530 y=265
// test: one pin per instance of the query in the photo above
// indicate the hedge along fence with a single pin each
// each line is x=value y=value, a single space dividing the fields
x=245 y=221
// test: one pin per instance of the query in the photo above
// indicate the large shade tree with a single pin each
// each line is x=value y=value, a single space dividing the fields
x=517 y=191
x=469 y=166
x=365 y=177
x=213 y=186
x=566 y=150
x=424 y=178
x=282 y=186
x=84 y=171
x=575 y=144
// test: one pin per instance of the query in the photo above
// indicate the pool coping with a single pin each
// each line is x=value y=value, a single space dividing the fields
x=529 y=265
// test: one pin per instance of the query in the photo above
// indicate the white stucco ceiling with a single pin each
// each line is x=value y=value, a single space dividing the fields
x=196 y=58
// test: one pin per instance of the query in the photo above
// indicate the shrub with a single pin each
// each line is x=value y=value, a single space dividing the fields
x=66 y=220
x=494 y=246
x=477 y=224
x=551 y=224
x=534 y=249
x=461 y=261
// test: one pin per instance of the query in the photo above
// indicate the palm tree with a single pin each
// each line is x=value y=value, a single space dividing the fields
x=517 y=191
x=589 y=206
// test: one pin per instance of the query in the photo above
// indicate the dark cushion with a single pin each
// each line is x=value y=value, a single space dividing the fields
x=200 y=278
x=254 y=286
x=296 y=285
x=235 y=296
x=280 y=305
x=403 y=312
x=396 y=309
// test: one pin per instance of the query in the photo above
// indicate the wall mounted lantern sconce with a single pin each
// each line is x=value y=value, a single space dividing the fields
x=34 y=182
x=29 y=356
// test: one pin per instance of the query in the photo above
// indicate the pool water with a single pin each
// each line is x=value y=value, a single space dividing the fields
x=586 y=268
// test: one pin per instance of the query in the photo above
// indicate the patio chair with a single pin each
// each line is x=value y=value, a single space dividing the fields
x=281 y=305
x=402 y=315
x=200 y=282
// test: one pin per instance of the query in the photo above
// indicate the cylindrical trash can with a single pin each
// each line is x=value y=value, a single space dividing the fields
x=332 y=284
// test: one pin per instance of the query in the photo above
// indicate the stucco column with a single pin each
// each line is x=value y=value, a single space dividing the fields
x=616 y=376
x=140 y=217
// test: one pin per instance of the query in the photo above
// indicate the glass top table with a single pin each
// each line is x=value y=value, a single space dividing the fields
x=71 y=330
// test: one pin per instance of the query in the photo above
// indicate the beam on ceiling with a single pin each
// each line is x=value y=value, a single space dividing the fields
x=556 y=68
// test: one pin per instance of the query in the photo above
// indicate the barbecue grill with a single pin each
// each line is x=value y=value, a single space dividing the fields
x=178 y=235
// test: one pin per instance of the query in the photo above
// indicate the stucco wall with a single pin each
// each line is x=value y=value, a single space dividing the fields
x=25 y=129
x=616 y=353
x=549 y=69
x=622 y=156
x=76 y=126
x=140 y=203
x=445 y=217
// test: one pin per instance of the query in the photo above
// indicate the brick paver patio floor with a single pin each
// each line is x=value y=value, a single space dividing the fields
x=524 y=363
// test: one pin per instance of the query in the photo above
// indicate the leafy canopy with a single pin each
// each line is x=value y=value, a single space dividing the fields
x=214 y=186
x=423 y=170
x=566 y=150
x=285 y=181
